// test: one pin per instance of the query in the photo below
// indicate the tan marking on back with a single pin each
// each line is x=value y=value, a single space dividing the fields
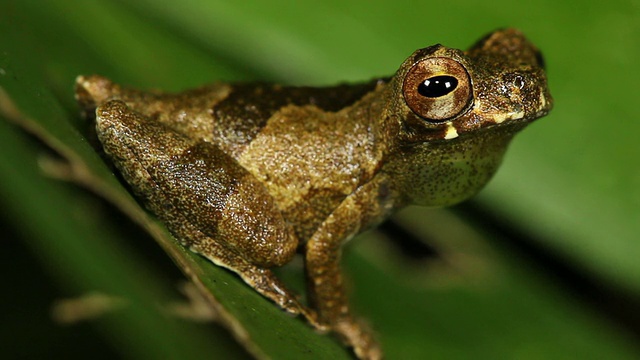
x=308 y=156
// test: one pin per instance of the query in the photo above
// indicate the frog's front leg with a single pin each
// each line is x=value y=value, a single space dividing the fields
x=366 y=206
x=207 y=200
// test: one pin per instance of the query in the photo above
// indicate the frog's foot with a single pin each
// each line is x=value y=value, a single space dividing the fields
x=262 y=280
x=269 y=286
x=358 y=335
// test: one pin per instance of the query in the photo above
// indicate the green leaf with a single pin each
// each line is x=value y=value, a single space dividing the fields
x=569 y=182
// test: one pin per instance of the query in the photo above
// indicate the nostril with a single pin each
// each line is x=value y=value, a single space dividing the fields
x=518 y=81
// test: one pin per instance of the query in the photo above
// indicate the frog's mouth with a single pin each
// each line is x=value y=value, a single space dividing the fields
x=528 y=110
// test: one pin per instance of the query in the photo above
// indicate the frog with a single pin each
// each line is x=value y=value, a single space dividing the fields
x=250 y=174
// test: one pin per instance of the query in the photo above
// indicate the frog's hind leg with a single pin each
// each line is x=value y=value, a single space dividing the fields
x=207 y=200
x=247 y=236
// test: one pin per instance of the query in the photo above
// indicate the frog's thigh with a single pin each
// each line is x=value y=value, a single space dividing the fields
x=182 y=180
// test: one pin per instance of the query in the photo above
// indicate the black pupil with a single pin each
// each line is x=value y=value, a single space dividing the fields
x=437 y=86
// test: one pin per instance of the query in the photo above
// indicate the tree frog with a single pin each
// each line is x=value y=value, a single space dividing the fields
x=249 y=174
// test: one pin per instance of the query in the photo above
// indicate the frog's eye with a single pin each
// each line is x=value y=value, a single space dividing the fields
x=437 y=89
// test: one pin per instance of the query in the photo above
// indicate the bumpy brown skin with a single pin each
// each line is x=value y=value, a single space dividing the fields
x=248 y=174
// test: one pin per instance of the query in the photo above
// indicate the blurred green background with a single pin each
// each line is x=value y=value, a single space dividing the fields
x=543 y=264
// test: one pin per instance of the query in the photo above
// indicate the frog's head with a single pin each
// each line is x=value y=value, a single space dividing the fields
x=443 y=93
x=453 y=114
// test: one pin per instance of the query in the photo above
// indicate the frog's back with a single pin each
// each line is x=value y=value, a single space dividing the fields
x=227 y=114
x=248 y=107
x=304 y=145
